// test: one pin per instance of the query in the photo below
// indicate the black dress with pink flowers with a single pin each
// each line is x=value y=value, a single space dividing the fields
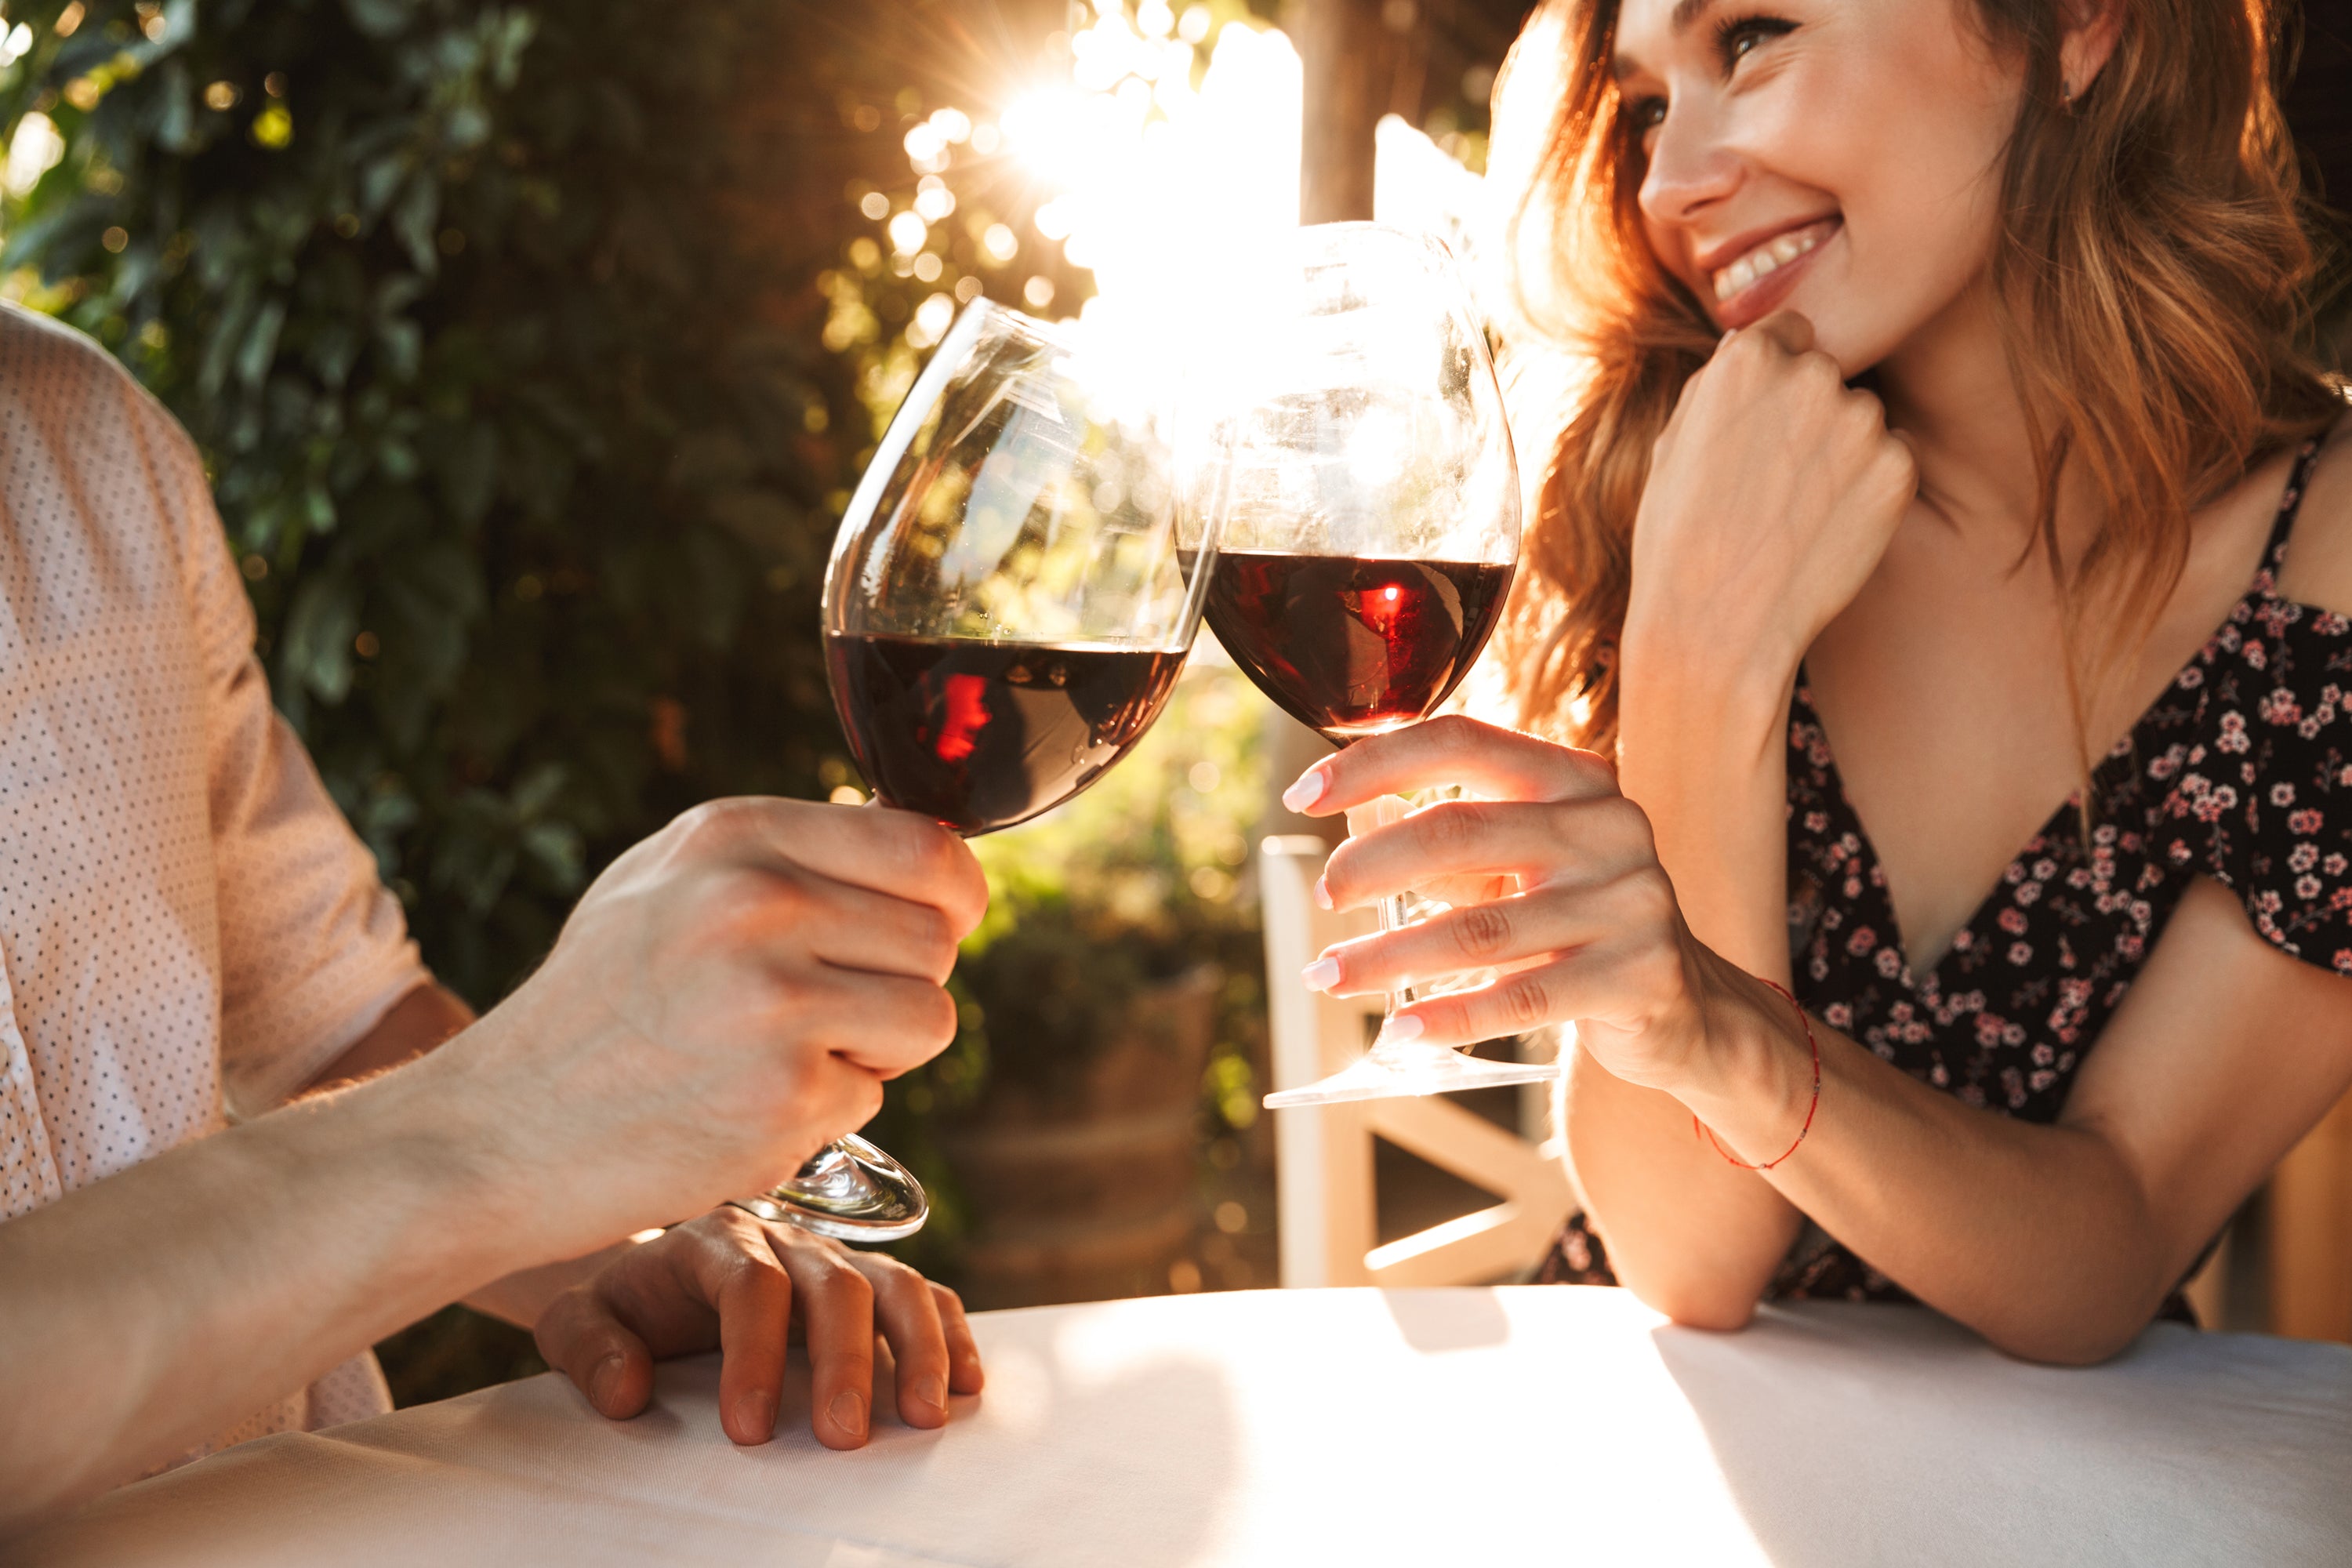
x=2233 y=773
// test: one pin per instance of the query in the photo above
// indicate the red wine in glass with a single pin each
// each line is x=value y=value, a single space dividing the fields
x=982 y=735
x=1351 y=646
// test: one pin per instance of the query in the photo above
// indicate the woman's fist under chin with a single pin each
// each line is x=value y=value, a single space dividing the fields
x=1772 y=496
x=731 y=994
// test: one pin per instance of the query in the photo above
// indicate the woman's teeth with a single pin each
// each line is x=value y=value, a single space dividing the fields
x=1764 y=258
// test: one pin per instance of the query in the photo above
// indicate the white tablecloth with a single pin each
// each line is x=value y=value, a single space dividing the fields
x=1556 y=1424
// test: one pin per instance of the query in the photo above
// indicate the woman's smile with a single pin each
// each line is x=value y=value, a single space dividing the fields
x=1749 y=276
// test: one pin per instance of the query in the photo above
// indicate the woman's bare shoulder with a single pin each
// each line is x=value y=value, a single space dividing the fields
x=2319 y=559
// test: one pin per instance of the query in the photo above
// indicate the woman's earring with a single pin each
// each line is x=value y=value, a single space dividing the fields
x=2066 y=91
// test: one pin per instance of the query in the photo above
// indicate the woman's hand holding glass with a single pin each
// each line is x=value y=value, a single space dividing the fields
x=1556 y=887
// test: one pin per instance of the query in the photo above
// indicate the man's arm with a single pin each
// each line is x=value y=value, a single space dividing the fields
x=418 y=1024
x=143 y=1311
x=716 y=1008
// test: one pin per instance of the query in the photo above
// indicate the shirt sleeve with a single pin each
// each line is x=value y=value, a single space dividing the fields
x=314 y=949
x=2263 y=800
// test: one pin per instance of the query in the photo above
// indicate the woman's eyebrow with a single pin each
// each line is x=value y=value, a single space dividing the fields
x=1685 y=16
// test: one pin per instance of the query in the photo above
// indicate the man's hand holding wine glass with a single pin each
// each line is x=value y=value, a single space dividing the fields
x=731 y=994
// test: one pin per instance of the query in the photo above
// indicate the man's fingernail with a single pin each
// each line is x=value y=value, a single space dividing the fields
x=1322 y=893
x=848 y=1412
x=1307 y=791
x=931 y=1391
x=604 y=1383
x=755 y=1416
x=1403 y=1026
x=1322 y=974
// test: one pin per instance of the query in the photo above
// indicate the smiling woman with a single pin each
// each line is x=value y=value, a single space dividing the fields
x=1918 y=544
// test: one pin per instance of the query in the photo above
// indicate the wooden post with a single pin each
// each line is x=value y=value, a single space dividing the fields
x=1340 y=49
x=2311 y=1234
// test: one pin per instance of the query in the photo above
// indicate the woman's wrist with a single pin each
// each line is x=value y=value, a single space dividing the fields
x=1754 y=1084
x=1688 y=666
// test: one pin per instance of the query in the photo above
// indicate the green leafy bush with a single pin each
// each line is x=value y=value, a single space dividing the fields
x=498 y=329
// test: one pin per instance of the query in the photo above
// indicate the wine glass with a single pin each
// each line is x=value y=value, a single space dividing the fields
x=1371 y=528
x=1006 y=611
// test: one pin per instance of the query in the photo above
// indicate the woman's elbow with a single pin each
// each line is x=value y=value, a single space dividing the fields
x=1696 y=1301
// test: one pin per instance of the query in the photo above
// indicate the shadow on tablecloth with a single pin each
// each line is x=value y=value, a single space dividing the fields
x=1914 y=1442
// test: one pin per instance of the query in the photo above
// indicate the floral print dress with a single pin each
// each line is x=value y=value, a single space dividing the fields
x=2232 y=773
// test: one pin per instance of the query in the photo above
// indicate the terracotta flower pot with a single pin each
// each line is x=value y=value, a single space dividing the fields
x=1090 y=1191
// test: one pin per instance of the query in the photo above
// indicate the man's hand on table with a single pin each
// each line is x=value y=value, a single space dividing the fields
x=746 y=1287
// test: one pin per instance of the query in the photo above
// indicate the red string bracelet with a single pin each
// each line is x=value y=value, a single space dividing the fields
x=1698 y=1127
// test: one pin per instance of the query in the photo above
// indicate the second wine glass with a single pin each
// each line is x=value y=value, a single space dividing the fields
x=1372 y=529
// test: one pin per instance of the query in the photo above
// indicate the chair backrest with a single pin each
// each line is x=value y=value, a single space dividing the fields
x=1323 y=1156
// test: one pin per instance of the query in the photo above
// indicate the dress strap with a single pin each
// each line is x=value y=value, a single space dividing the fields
x=2290 y=503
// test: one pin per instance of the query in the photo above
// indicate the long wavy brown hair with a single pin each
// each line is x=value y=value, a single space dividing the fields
x=2149 y=276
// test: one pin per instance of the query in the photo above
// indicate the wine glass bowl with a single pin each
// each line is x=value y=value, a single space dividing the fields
x=1006 y=610
x=1370 y=526
x=1008 y=605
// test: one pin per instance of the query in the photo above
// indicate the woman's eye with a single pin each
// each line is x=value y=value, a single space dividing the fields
x=1644 y=115
x=1739 y=37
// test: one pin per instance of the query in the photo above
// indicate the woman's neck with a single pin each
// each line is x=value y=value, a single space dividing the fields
x=1950 y=393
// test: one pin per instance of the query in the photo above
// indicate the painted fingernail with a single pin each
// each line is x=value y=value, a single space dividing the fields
x=1322 y=974
x=604 y=1383
x=755 y=1417
x=1322 y=893
x=1403 y=1026
x=933 y=1392
x=1310 y=789
x=848 y=1412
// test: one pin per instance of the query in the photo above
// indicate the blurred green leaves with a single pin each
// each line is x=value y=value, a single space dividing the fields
x=497 y=327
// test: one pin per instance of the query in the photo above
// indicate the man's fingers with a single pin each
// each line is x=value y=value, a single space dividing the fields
x=909 y=1316
x=1499 y=764
x=883 y=1024
x=581 y=1337
x=835 y=1303
x=856 y=929
x=965 y=1375
x=730 y=1266
x=897 y=853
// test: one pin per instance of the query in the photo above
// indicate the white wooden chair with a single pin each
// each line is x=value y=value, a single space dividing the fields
x=1323 y=1156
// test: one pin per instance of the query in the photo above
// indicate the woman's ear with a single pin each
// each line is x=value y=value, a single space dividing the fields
x=2090 y=30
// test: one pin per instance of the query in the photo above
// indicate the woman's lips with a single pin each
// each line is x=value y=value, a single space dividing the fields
x=1752 y=285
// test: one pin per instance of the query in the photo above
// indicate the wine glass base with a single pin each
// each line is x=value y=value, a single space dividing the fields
x=1393 y=1071
x=851 y=1191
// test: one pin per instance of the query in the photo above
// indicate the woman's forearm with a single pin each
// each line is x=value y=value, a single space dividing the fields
x=1702 y=751
x=144 y=1311
x=1703 y=755
x=2040 y=1238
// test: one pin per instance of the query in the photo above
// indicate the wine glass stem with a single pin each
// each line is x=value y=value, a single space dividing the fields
x=1392 y=918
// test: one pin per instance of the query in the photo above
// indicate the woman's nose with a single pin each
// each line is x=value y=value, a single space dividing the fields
x=1690 y=167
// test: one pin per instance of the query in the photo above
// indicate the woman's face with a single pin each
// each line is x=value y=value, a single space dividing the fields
x=1840 y=158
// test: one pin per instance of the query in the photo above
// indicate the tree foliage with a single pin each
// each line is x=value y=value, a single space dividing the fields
x=497 y=327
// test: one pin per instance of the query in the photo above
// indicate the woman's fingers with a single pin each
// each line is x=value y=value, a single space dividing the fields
x=1499 y=764
x=1573 y=841
x=1515 y=1004
x=1502 y=934
x=907 y=1315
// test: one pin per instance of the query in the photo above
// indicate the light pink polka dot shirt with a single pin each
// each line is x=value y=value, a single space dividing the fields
x=189 y=930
